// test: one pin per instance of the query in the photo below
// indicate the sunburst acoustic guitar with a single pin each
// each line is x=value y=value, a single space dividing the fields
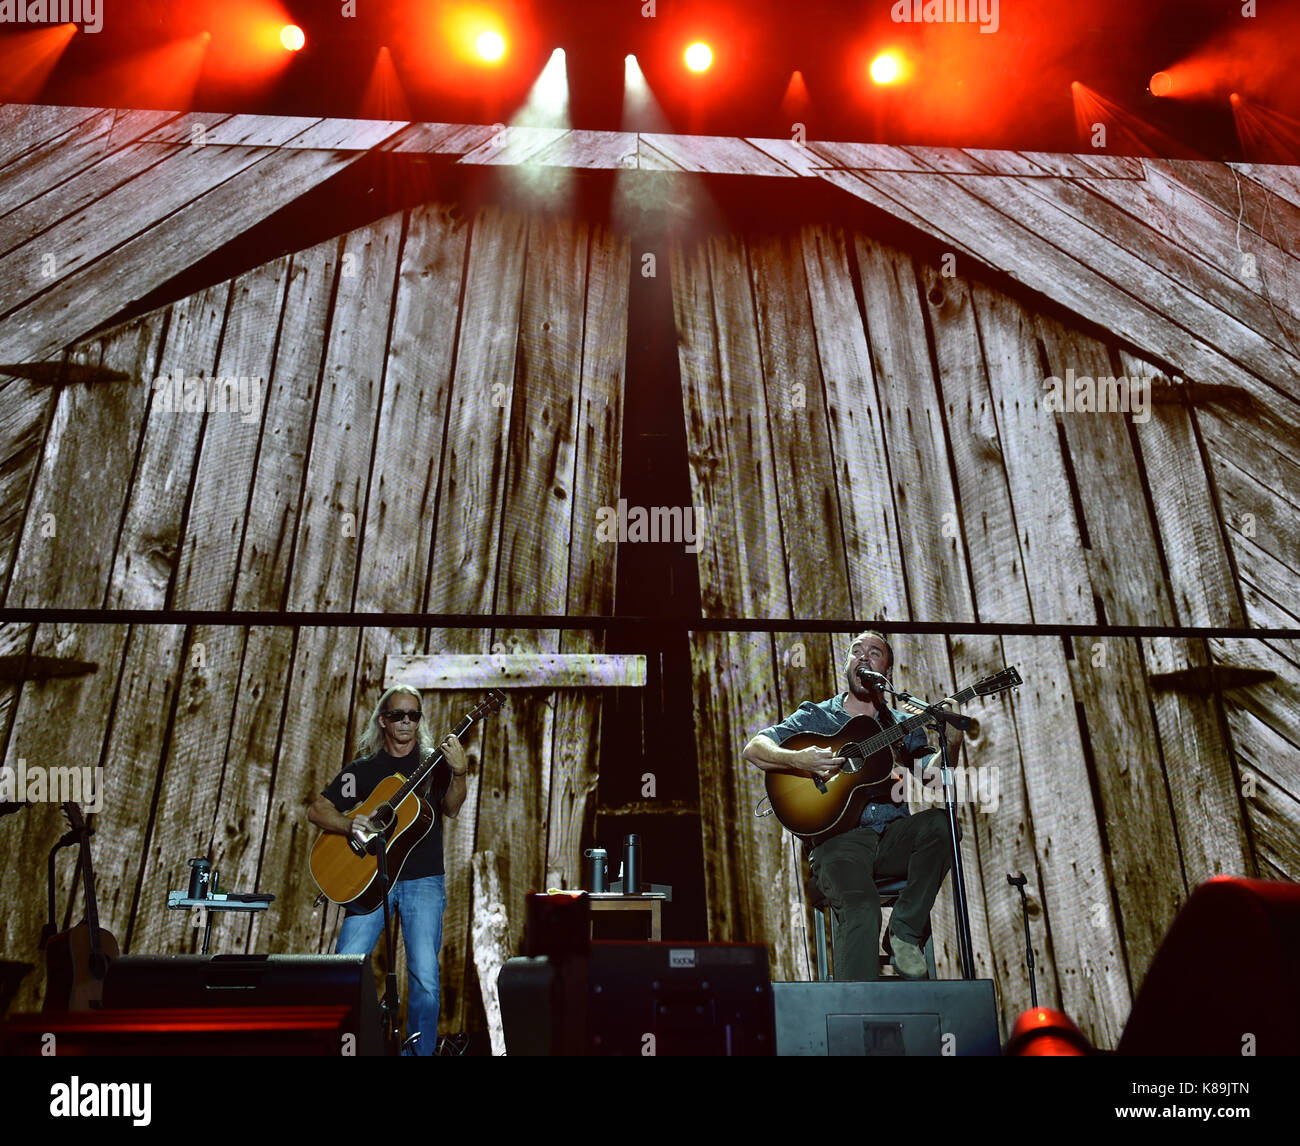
x=815 y=810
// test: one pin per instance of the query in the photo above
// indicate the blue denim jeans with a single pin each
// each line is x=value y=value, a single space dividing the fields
x=421 y=902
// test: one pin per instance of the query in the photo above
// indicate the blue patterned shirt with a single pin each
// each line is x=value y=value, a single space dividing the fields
x=826 y=719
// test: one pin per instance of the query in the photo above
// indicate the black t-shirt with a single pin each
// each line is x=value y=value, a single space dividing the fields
x=426 y=857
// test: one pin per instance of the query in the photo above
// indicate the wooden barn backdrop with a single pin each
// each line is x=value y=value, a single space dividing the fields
x=858 y=391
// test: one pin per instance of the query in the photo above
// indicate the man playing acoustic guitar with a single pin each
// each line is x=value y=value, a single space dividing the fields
x=396 y=740
x=887 y=840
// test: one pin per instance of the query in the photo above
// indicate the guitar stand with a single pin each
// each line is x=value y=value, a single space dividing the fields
x=941 y=717
x=51 y=928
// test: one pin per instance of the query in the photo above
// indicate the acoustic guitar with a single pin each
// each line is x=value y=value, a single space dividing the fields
x=347 y=869
x=77 y=960
x=816 y=809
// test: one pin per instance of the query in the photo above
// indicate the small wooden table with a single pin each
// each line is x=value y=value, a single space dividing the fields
x=651 y=902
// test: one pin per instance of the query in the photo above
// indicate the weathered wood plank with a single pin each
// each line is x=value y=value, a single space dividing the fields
x=983 y=515
x=1051 y=554
x=313 y=748
x=66 y=552
x=1270 y=771
x=924 y=668
x=1262 y=575
x=79 y=302
x=57 y=180
x=261 y=578
x=720 y=562
x=338 y=470
x=517 y=670
x=537 y=510
x=1262 y=515
x=1145 y=861
x=25 y=410
x=752 y=886
x=1196 y=266
x=592 y=563
x=807 y=668
x=30 y=126
x=1124 y=565
x=403 y=484
x=466 y=539
x=148 y=547
x=463 y=573
x=1001 y=832
x=513 y=787
x=938 y=581
x=250 y=777
x=807 y=492
x=1200 y=575
x=716 y=154
x=1087 y=947
x=208 y=552
x=15 y=640
x=1061 y=266
x=135 y=765
x=756 y=584
x=868 y=521
x=1208 y=814
x=125 y=212
x=189 y=793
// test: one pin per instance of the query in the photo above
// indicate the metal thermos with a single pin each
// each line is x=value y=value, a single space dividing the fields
x=632 y=864
x=597 y=871
x=200 y=870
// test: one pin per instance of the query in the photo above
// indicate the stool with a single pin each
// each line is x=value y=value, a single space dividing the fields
x=890 y=889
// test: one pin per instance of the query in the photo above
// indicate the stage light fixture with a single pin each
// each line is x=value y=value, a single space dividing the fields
x=1162 y=83
x=699 y=56
x=291 y=36
x=491 y=46
x=885 y=68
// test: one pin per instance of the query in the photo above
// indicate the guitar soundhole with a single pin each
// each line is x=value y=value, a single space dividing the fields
x=382 y=817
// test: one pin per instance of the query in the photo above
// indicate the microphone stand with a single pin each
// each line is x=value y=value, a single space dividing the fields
x=388 y=1008
x=941 y=717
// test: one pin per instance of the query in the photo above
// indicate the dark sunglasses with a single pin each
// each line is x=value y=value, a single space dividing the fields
x=413 y=717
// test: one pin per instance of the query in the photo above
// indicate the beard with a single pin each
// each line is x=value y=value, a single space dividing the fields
x=860 y=690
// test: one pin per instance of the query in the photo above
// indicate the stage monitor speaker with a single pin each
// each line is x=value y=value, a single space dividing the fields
x=946 y=1017
x=1226 y=979
x=187 y=981
x=640 y=999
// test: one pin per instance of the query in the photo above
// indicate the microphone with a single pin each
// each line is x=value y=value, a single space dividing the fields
x=876 y=679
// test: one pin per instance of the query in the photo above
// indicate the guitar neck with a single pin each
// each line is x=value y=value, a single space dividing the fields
x=418 y=776
x=904 y=727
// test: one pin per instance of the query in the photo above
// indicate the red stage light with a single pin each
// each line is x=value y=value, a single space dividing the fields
x=291 y=36
x=491 y=46
x=885 y=68
x=1162 y=83
x=699 y=56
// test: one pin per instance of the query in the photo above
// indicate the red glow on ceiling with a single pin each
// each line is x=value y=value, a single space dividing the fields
x=27 y=58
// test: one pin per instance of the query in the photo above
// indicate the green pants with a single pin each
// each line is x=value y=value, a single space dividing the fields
x=918 y=848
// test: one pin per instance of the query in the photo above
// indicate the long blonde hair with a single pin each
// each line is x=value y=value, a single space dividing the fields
x=371 y=739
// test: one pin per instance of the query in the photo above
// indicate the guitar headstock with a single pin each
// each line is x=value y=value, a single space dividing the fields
x=998 y=682
x=488 y=705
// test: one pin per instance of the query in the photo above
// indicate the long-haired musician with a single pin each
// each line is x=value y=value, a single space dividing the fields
x=396 y=739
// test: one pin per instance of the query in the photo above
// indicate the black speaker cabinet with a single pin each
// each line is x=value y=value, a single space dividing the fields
x=948 y=1016
x=183 y=982
x=640 y=999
